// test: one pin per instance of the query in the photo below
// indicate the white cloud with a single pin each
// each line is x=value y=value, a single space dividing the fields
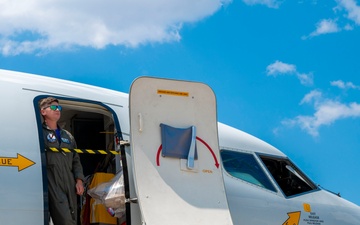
x=280 y=68
x=348 y=27
x=313 y=95
x=269 y=3
x=65 y=23
x=352 y=9
x=344 y=85
x=305 y=79
x=327 y=111
x=325 y=26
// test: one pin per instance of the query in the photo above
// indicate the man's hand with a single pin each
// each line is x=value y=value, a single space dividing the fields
x=79 y=187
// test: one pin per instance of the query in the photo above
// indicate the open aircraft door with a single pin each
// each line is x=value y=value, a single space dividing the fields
x=175 y=153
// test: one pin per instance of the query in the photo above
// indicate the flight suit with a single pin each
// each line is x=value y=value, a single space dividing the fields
x=62 y=171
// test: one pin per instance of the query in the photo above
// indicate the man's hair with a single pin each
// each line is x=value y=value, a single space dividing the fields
x=47 y=102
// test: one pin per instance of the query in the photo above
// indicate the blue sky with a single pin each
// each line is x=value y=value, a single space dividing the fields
x=285 y=71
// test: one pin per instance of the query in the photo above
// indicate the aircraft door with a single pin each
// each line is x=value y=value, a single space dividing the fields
x=175 y=153
x=96 y=130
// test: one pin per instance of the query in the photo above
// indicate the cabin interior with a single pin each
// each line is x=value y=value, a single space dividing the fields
x=93 y=128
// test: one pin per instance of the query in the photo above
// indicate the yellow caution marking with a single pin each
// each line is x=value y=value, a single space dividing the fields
x=65 y=150
x=307 y=207
x=114 y=152
x=90 y=151
x=171 y=92
x=83 y=151
x=78 y=150
x=102 y=152
x=54 y=149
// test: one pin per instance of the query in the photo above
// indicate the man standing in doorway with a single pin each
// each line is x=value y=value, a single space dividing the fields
x=64 y=170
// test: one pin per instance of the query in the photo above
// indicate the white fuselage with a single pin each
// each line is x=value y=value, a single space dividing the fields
x=251 y=200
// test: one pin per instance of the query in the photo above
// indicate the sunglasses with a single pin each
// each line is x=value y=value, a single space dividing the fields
x=54 y=107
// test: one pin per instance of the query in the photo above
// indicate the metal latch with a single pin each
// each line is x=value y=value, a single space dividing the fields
x=131 y=200
x=125 y=143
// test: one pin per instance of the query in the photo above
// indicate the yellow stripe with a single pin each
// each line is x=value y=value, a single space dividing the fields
x=78 y=150
x=65 y=149
x=54 y=149
x=90 y=151
x=102 y=152
x=83 y=151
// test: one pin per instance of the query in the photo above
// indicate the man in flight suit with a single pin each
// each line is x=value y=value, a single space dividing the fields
x=64 y=170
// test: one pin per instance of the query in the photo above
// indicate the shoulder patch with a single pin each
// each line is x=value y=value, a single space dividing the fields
x=65 y=140
x=51 y=138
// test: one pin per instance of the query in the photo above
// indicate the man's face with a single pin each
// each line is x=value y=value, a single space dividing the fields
x=52 y=111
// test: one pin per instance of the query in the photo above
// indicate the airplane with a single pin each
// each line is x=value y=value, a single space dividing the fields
x=219 y=174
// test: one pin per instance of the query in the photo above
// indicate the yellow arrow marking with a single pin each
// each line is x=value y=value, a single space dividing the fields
x=20 y=162
x=293 y=219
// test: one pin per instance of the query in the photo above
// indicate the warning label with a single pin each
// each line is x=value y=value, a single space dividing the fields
x=171 y=92
x=313 y=219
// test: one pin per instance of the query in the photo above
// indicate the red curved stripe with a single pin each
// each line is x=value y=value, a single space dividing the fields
x=212 y=152
x=158 y=156
x=202 y=141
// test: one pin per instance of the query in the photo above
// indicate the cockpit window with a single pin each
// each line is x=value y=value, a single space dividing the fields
x=289 y=178
x=245 y=167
